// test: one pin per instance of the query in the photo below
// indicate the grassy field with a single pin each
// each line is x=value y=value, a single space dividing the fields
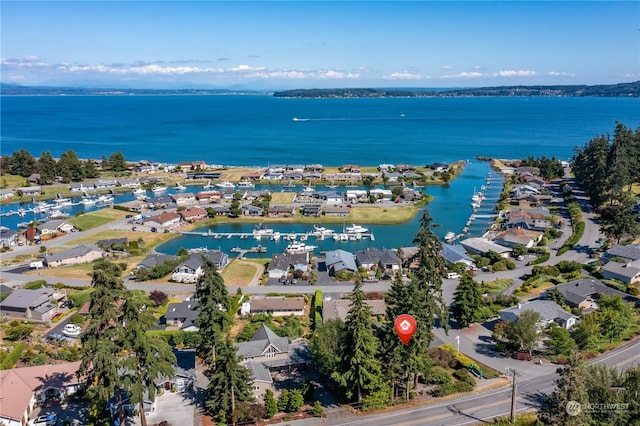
x=282 y=197
x=496 y=287
x=91 y=220
x=241 y=272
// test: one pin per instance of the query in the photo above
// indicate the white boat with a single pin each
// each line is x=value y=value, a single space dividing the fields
x=179 y=187
x=139 y=191
x=449 y=237
x=88 y=201
x=72 y=330
x=225 y=185
x=261 y=231
x=356 y=229
x=246 y=184
x=159 y=188
x=341 y=237
x=309 y=190
x=208 y=185
x=275 y=236
x=332 y=185
x=297 y=248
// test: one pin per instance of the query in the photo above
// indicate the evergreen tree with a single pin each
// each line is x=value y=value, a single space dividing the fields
x=48 y=168
x=228 y=382
x=22 y=163
x=360 y=370
x=70 y=167
x=590 y=168
x=467 y=301
x=270 y=405
x=102 y=341
x=619 y=219
x=90 y=170
x=148 y=357
x=324 y=346
x=213 y=305
x=117 y=162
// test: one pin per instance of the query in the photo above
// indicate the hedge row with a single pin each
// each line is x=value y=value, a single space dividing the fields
x=317 y=308
x=10 y=360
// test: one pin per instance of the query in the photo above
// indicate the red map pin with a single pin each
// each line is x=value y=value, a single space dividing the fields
x=405 y=326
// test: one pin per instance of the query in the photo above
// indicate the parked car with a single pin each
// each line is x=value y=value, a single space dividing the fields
x=46 y=419
x=57 y=338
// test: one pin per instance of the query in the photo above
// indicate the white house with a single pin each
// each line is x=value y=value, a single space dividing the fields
x=549 y=312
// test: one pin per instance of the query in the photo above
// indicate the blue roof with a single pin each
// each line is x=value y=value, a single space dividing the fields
x=454 y=253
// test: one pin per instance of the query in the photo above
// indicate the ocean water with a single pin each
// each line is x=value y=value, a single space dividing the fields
x=261 y=130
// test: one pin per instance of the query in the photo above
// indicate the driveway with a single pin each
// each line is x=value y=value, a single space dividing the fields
x=177 y=409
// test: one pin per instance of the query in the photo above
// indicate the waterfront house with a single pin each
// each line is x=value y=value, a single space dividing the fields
x=292 y=175
x=81 y=254
x=438 y=167
x=404 y=168
x=282 y=211
x=253 y=175
x=392 y=177
x=278 y=306
x=8 y=237
x=548 y=310
x=312 y=210
x=454 y=253
x=350 y=168
x=330 y=197
x=129 y=183
x=386 y=167
x=30 y=191
x=314 y=168
x=338 y=309
x=24 y=387
x=184 y=199
x=5 y=194
x=55 y=226
x=339 y=260
x=517 y=236
x=193 y=214
x=340 y=211
x=105 y=183
x=251 y=210
x=188 y=166
x=209 y=196
x=372 y=258
x=482 y=246
x=33 y=305
x=80 y=187
x=527 y=170
x=282 y=263
x=191 y=269
x=164 y=220
x=221 y=209
x=381 y=194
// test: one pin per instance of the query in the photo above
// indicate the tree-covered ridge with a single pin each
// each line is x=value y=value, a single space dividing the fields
x=610 y=90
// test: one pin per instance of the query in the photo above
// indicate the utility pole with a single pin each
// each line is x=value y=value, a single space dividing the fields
x=513 y=395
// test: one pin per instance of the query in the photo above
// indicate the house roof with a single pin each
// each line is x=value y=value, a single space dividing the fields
x=373 y=255
x=112 y=242
x=282 y=262
x=623 y=270
x=195 y=259
x=24 y=299
x=163 y=218
x=340 y=259
x=261 y=340
x=483 y=246
x=334 y=309
x=78 y=251
x=18 y=385
x=259 y=372
x=52 y=225
x=548 y=310
x=278 y=304
x=180 y=310
x=155 y=259
x=455 y=253
x=631 y=252
x=579 y=290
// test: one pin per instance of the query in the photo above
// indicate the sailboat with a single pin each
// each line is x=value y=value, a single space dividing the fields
x=208 y=185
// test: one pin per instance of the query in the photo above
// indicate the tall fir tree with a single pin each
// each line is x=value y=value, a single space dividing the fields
x=467 y=301
x=213 y=305
x=48 y=168
x=360 y=370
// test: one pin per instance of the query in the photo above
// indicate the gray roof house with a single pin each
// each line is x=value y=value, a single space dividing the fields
x=338 y=260
x=628 y=273
x=53 y=226
x=191 y=269
x=7 y=237
x=628 y=253
x=549 y=312
x=32 y=305
x=278 y=306
x=182 y=315
x=584 y=293
x=454 y=253
x=481 y=246
x=154 y=259
x=338 y=309
x=281 y=263
x=385 y=259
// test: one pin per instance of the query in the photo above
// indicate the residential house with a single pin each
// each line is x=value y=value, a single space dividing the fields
x=293 y=175
x=81 y=254
x=438 y=167
x=221 y=209
x=182 y=315
x=193 y=214
x=30 y=191
x=35 y=178
x=282 y=211
x=386 y=167
x=33 y=305
x=407 y=256
x=528 y=170
x=184 y=372
x=481 y=246
x=404 y=168
x=55 y=226
x=251 y=210
x=382 y=194
x=24 y=387
x=164 y=220
x=393 y=177
x=253 y=175
x=105 y=184
x=628 y=253
x=184 y=198
x=188 y=166
x=281 y=264
x=129 y=183
x=312 y=210
x=264 y=351
x=154 y=259
x=112 y=243
x=191 y=269
x=338 y=309
x=339 y=260
x=278 y=306
x=350 y=168
x=8 y=237
x=517 y=236
x=549 y=312
x=341 y=211
x=372 y=258
x=628 y=273
x=330 y=197
x=209 y=196
x=454 y=253
x=5 y=194
x=584 y=293
x=315 y=168
x=80 y=187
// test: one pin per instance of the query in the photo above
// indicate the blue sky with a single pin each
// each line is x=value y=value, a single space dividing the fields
x=298 y=44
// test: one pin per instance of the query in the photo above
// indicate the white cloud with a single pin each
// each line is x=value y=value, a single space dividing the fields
x=446 y=67
x=463 y=75
x=514 y=73
x=561 y=74
x=478 y=67
x=403 y=75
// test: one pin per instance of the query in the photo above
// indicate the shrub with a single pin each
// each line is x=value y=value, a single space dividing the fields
x=462 y=387
x=464 y=376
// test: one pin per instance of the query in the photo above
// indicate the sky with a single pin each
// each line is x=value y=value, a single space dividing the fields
x=314 y=44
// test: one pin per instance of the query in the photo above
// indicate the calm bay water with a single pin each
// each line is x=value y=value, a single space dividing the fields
x=261 y=130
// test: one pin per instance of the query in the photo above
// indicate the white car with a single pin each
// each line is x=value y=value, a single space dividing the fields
x=45 y=419
x=71 y=330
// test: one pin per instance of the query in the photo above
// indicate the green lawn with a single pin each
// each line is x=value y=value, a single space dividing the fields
x=496 y=287
x=91 y=220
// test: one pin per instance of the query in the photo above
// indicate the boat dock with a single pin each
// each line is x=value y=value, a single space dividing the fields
x=287 y=236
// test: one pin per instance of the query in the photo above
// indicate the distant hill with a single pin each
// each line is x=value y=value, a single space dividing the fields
x=14 y=89
x=628 y=90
